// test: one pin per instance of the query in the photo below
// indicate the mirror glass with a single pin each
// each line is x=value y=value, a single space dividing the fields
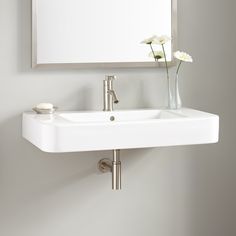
x=100 y=33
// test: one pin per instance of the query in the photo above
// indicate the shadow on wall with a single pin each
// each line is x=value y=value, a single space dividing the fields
x=34 y=170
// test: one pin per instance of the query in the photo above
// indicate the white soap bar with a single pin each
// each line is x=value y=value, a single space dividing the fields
x=48 y=106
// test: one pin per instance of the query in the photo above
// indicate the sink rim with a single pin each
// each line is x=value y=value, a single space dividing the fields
x=180 y=115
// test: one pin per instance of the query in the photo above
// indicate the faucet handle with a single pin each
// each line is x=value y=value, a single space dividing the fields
x=110 y=77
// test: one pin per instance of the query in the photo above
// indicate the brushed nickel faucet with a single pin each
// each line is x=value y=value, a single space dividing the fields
x=109 y=95
x=108 y=165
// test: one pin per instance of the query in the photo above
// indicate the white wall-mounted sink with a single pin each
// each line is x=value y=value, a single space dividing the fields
x=88 y=131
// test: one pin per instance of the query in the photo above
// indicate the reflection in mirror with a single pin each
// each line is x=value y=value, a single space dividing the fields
x=104 y=33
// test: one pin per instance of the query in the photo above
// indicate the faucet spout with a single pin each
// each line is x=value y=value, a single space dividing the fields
x=114 y=96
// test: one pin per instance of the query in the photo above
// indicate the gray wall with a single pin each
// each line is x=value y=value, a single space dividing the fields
x=177 y=191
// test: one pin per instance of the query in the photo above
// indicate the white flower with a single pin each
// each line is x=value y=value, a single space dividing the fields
x=160 y=40
x=158 y=55
x=149 y=40
x=182 y=56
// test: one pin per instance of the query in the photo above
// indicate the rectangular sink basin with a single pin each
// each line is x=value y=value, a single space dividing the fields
x=98 y=130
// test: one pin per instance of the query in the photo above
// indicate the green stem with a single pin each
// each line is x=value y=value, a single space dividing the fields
x=177 y=71
x=153 y=52
x=167 y=70
x=168 y=79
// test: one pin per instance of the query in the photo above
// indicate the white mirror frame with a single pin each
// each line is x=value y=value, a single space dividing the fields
x=35 y=64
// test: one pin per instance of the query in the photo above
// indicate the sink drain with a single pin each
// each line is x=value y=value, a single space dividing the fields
x=112 y=118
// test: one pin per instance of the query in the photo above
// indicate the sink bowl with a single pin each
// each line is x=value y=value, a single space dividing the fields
x=90 y=131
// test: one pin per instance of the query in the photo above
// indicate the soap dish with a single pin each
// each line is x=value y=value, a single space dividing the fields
x=44 y=111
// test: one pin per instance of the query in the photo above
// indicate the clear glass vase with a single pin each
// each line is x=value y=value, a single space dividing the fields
x=171 y=104
x=177 y=98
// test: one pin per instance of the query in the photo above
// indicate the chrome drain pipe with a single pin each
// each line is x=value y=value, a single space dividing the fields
x=116 y=170
x=114 y=166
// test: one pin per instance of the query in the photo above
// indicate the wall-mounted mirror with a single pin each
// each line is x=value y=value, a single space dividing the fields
x=100 y=33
